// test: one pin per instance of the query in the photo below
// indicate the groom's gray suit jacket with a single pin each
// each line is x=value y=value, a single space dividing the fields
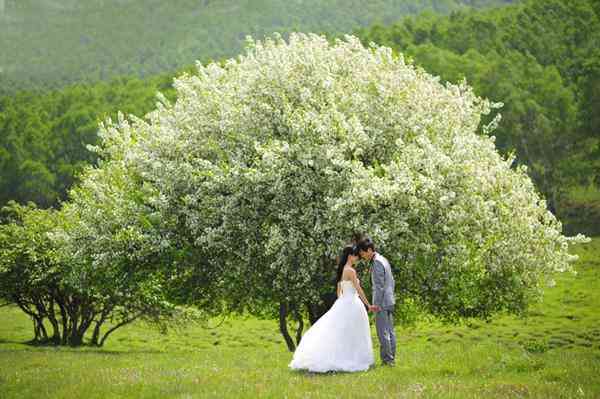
x=383 y=283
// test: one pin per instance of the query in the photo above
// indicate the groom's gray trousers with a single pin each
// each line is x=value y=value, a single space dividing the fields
x=383 y=296
x=384 y=323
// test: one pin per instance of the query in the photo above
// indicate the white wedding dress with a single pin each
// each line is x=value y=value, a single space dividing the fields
x=340 y=340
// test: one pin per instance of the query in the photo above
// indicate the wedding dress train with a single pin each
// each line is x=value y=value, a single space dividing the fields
x=340 y=340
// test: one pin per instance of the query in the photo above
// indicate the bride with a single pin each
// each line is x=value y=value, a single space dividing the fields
x=341 y=339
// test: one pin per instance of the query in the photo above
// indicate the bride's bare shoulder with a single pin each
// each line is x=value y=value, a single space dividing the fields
x=348 y=271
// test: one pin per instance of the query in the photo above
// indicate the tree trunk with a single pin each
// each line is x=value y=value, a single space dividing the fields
x=55 y=326
x=283 y=313
x=300 y=327
x=121 y=324
x=75 y=339
x=42 y=313
x=96 y=335
x=73 y=310
x=41 y=335
x=39 y=332
x=36 y=330
x=87 y=317
x=65 y=322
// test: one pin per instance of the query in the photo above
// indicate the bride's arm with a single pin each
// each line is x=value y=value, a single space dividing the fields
x=360 y=291
x=338 y=289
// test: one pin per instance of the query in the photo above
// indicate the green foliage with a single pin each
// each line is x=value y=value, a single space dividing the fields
x=44 y=135
x=29 y=267
x=33 y=277
x=49 y=44
x=546 y=77
x=581 y=209
x=70 y=294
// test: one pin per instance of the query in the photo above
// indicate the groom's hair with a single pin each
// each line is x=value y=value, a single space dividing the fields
x=366 y=243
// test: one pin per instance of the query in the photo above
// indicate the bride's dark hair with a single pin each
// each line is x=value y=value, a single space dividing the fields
x=347 y=251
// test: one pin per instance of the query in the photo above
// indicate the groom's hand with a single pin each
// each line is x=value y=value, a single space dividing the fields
x=374 y=308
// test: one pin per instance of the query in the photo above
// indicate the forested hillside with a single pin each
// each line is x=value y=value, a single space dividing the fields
x=51 y=43
x=44 y=136
x=542 y=60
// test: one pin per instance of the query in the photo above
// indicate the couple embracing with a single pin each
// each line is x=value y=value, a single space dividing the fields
x=341 y=339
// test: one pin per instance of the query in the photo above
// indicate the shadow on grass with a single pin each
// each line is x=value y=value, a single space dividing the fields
x=330 y=374
x=90 y=352
x=31 y=346
x=114 y=352
x=6 y=341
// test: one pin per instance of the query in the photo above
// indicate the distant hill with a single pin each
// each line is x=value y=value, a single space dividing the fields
x=52 y=43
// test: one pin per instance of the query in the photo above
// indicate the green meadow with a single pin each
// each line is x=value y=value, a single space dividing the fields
x=553 y=353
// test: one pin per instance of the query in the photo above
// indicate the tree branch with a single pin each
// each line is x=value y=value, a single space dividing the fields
x=283 y=312
x=121 y=324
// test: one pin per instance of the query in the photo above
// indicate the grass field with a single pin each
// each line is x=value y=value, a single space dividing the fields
x=554 y=353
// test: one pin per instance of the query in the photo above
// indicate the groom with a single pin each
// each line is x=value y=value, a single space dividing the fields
x=383 y=299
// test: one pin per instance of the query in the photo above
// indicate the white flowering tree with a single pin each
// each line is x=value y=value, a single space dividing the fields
x=251 y=182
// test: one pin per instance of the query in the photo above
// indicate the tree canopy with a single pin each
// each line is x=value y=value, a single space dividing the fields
x=246 y=186
x=60 y=288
